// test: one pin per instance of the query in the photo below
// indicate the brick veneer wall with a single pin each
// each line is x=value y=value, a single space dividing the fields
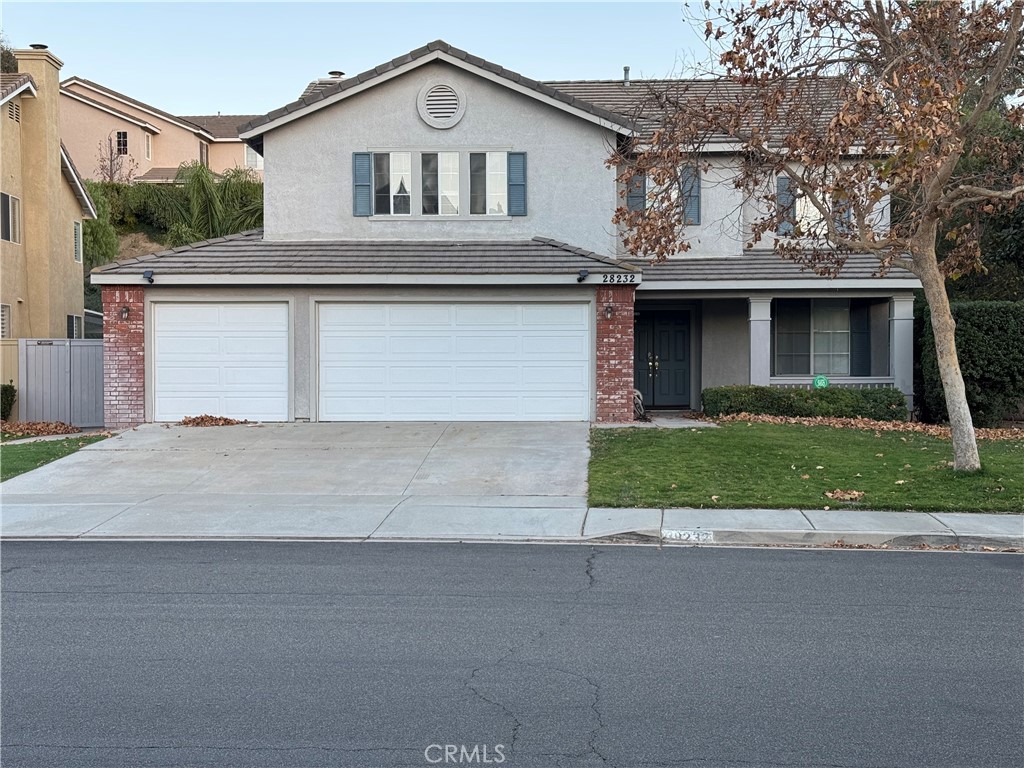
x=124 y=363
x=615 y=353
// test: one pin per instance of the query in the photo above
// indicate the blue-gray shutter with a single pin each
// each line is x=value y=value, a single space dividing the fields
x=516 y=183
x=636 y=192
x=689 y=186
x=787 y=206
x=860 y=338
x=362 y=183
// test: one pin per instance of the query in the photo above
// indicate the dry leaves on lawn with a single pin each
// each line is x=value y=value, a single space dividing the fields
x=37 y=428
x=840 y=495
x=210 y=421
x=1008 y=433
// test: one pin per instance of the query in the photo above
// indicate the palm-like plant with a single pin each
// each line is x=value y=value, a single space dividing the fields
x=208 y=205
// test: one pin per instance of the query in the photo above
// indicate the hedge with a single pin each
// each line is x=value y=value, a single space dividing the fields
x=8 y=393
x=883 y=404
x=990 y=346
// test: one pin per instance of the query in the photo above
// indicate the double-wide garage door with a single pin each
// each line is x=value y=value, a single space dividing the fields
x=377 y=361
x=436 y=361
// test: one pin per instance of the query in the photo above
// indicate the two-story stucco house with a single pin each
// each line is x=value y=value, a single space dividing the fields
x=438 y=245
x=106 y=132
x=43 y=204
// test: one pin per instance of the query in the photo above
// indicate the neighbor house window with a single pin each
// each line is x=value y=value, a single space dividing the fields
x=75 y=323
x=122 y=142
x=204 y=154
x=5 y=321
x=77 y=240
x=149 y=147
x=10 y=218
x=253 y=159
x=392 y=183
x=811 y=336
x=440 y=183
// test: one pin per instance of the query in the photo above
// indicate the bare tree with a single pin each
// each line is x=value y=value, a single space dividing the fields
x=865 y=111
x=112 y=165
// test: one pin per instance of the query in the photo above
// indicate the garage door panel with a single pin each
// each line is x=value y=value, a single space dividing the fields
x=432 y=361
x=475 y=316
x=223 y=359
x=418 y=315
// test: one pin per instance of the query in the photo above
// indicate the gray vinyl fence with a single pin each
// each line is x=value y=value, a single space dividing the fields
x=61 y=380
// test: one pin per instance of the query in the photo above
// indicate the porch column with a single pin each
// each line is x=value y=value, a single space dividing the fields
x=760 y=340
x=901 y=347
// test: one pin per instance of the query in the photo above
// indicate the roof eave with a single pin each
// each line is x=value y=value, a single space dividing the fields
x=26 y=88
x=71 y=174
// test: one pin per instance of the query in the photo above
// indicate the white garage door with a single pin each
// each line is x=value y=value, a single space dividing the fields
x=426 y=362
x=220 y=359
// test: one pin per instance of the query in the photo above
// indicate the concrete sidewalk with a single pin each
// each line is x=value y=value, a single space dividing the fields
x=485 y=518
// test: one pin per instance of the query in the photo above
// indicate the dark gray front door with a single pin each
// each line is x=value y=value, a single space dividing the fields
x=662 y=356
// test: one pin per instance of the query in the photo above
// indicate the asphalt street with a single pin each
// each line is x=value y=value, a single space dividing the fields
x=328 y=654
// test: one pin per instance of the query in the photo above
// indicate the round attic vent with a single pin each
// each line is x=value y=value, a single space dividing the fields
x=441 y=105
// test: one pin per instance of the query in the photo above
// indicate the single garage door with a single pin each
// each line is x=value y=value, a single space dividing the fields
x=468 y=362
x=221 y=359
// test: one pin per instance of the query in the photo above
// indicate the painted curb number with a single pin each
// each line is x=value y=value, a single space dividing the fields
x=700 y=537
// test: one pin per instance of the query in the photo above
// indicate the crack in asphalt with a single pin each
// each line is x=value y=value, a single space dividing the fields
x=535 y=638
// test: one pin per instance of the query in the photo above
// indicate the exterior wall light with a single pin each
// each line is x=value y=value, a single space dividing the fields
x=125 y=312
x=609 y=310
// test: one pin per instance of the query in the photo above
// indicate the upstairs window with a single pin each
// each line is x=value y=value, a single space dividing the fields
x=435 y=184
x=10 y=218
x=392 y=183
x=488 y=183
x=440 y=183
x=149 y=147
x=253 y=159
x=121 y=143
x=76 y=235
x=800 y=217
x=641 y=191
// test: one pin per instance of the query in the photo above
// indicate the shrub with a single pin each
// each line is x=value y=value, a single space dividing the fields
x=990 y=346
x=882 y=404
x=8 y=394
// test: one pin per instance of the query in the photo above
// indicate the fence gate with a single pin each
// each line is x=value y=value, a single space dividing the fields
x=61 y=380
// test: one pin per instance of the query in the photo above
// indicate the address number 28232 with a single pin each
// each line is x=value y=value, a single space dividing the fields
x=618 y=278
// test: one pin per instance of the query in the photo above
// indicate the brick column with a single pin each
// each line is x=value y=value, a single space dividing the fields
x=615 y=353
x=124 y=368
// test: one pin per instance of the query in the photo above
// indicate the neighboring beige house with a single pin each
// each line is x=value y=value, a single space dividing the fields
x=43 y=203
x=104 y=128
x=227 y=150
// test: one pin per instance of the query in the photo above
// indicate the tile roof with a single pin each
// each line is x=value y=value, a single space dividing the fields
x=759 y=265
x=134 y=102
x=317 y=93
x=219 y=126
x=159 y=175
x=248 y=253
x=12 y=81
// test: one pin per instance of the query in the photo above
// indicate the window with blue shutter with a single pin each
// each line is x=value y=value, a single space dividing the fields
x=689 y=187
x=516 y=183
x=636 y=192
x=362 y=183
x=787 y=206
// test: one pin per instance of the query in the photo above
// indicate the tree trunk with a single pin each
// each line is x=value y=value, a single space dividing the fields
x=965 y=444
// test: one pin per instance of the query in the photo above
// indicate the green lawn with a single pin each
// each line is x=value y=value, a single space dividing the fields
x=764 y=465
x=16 y=459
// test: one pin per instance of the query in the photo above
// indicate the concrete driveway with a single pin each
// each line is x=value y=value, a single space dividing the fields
x=353 y=480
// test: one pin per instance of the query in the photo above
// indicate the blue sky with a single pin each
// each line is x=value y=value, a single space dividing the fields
x=249 y=58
